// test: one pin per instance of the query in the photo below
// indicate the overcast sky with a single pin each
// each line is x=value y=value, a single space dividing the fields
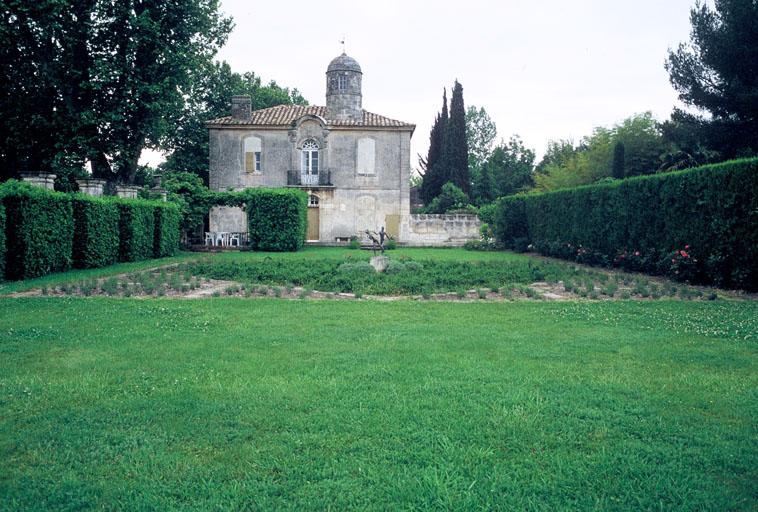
x=543 y=69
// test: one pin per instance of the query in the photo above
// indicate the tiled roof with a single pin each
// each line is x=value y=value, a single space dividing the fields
x=285 y=115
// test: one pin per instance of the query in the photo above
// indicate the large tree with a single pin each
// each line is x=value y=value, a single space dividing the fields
x=717 y=72
x=433 y=167
x=481 y=133
x=455 y=151
x=510 y=167
x=209 y=97
x=97 y=80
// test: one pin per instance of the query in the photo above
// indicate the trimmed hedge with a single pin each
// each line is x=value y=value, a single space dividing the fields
x=136 y=229
x=698 y=225
x=2 y=240
x=96 y=232
x=167 y=225
x=277 y=218
x=40 y=233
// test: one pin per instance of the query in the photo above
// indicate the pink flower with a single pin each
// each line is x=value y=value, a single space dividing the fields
x=684 y=254
x=636 y=253
x=686 y=246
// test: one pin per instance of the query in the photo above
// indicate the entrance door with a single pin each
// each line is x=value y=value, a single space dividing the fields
x=313 y=219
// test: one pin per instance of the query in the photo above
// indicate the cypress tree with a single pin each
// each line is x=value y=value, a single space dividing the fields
x=618 y=161
x=455 y=145
x=434 y=175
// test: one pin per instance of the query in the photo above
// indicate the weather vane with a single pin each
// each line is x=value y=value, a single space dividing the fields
x=342 y=42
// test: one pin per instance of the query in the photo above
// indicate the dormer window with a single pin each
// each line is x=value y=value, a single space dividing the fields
x=342 y=83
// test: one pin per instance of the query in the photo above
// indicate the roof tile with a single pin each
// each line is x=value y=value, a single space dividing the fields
x=285 y=115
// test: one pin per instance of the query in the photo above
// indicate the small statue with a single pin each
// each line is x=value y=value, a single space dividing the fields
x=374 y=241
x=377 y=240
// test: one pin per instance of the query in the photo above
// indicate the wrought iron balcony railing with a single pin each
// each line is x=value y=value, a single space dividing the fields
x=301 y=179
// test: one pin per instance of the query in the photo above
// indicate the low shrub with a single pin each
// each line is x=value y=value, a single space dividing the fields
x=96 y=231
x=38 y=231
x=167 y=230
x=698 y=225
x=136 y=229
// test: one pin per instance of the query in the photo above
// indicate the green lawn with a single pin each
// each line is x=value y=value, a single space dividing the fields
x=234 y=404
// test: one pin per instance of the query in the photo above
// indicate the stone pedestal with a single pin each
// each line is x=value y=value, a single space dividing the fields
x=44 y=180
x=380 y=263
x=127 y=191
x=91 y=187
x=160 y=192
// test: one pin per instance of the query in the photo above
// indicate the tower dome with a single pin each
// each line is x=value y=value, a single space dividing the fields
x=344 y=63
x=343 y=89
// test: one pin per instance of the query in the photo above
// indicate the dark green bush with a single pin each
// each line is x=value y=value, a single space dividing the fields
x=276 y=219
x=136 y=229
x=2 y=240
x=96 y=231
x=167 y=226
x=699 y=225
x=38 y=232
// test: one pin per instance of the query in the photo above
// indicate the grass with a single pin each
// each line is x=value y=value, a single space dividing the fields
x=231 y=404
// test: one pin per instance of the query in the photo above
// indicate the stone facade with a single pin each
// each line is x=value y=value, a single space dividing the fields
x=354 y=165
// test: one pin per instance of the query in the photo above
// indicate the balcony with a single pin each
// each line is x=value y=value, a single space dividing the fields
x=300 y=179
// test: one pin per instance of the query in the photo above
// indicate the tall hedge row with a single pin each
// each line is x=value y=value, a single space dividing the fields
x=2 y=239
x=136 y=229
x=699 y=225
x=166 y=238
x=96 y=232
x=38 y=232
x=277 y=219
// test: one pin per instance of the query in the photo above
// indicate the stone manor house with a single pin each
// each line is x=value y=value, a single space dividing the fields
x=353 y=164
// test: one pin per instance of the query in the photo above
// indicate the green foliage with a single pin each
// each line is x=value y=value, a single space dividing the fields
x=38 y=230
x=167 y=222
x=2 y=240
x=98 y=80
x=136 y=229
x=481 y=132
x=510 y=169
x=277 y=218
x=434 y=167
x=455 y=149
x=487 y=213
x=710 y=213
x=96 y=231
x=404 y=276
x=450 y=198
x=618 y=170
x=716 y=72
x=593 y=159
x=213 y=86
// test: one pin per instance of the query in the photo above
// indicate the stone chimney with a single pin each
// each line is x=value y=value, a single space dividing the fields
x=241 y=108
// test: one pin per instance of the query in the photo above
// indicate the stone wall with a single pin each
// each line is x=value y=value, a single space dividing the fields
x=439 y=230
x=230 y=219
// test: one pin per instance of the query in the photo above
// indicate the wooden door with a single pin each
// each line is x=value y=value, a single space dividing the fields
x=313 y=223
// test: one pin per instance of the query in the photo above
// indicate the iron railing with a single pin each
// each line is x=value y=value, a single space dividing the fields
x=301 y=179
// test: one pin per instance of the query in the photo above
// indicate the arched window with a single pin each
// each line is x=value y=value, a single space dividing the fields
x=310 y=157
x=252 y=154
x=313 y=200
